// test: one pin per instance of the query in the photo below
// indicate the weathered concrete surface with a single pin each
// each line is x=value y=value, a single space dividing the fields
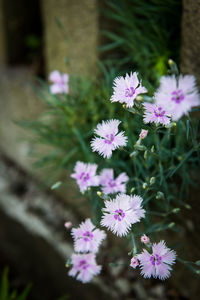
x=190 y=49
x=79 y=43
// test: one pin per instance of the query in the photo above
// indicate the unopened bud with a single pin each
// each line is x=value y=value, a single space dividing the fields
x=152 y=180
x=99 y=193
x=143 y=134
x=132 y=190
x=145 y=154
x=159 y=195
x=188 y=206
x=139 y=98
x=140 y=147
x=134 y=153
x=176 y=210
x=68 y=225
x=170 y=62
x=124 y=105
x=89 y=188
x=152 y=149
x=171 y=225
x=144 y=185
x=198 y=272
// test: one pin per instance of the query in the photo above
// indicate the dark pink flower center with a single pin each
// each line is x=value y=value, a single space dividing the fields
x=119 y=214
x=129 y=92
x=88 y=236
x=177 y=96
x=84 y=176
x=109 y=138
x=155 y=259
x=159 y=112
x=112 y=183
x=83 y=264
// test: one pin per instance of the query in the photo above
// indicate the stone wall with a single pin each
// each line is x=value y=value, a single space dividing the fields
x=190 y=58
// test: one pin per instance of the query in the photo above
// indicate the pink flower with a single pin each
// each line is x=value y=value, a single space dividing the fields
x=143 y=134
x=111 y=185
x=87 y=238
x=60 y=83
x=158 y=264
x=120 y=214
x=179 y=95
x=126 y=89
x=109 y=139
x=134 y=262
x=68 y=225
x=145 y=239
x=156 y=114
x=84 y=266
x=85 y=175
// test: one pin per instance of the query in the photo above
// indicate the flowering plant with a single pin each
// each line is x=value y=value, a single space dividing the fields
x=149 y=143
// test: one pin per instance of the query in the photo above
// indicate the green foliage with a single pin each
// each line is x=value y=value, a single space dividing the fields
x=6 y=294
x=144 y=35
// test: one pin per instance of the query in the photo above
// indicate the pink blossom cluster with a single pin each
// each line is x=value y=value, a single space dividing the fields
x=174 y=98
x=85 y=175
x=87 y=240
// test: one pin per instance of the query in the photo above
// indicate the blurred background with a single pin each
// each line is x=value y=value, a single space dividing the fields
x=79 y=37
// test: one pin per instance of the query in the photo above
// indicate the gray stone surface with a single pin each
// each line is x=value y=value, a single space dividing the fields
x=79 y=42
x=190 y=50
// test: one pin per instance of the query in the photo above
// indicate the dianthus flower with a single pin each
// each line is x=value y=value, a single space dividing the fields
x=156 y=114
x=85 y=175
x=134 y=262
x=158 y=264
x=120 y=213
x=179 y=95
x=109 y=138
x=87 y=238
x=84 y=266
x=125 y=90
x=111 y=185
x=60 y=83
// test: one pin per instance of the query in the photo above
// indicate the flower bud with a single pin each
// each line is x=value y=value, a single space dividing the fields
x=176 y=210
x=152 y=180
x=152 y=149
x=99 y=193
x=68 y=225
x=145 y=239
x=134 y=262
x=145 y=154
x=144 y=185
x=143 y=134
x=139 y=98
x=160 y=195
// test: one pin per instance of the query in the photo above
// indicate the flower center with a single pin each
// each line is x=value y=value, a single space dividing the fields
x=156 y=259
x=109 y=138
x=111 y=183
x=159 y=112
x=84 y=176
x=177 y=96
x=129 y=92
x=83 y=264
x=119 y=214
x=88 y=236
